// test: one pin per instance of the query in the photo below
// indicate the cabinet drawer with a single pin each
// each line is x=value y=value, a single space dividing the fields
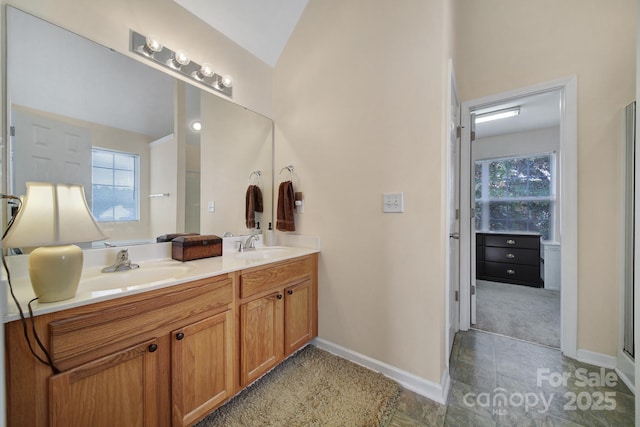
x=512 y=241
x=512 y=255
x=524 y=273
x=87 y=336
x=255 y=281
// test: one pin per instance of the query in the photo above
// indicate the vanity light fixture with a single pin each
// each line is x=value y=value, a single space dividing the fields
x=178 y=61
x=196 y=126
x=497 y=115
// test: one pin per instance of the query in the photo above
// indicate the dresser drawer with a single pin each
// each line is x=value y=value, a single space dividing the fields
x=512 y=255
x=523 y=273
x=512 y=241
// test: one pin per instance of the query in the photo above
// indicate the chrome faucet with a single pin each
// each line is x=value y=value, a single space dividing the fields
x=250 y=243
x=122 y=263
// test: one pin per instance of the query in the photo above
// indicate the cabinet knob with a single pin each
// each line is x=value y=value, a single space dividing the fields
x=511 y=242
x=279 y=296
x=511 y=256
x=511 y=272
x=179 y=336
x=290 y=291
x=153 y=347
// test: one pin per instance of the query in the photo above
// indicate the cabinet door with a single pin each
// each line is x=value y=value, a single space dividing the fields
x=202 y=367
x=116 y=390
x=261 y=336
x=298 y=316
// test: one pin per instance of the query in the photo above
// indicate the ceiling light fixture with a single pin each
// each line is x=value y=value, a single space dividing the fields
x=497 y=115
x=196 y=126
x=178 y=61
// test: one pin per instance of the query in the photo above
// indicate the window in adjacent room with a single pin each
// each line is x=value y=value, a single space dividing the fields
x=516 y=194
x=115 y=185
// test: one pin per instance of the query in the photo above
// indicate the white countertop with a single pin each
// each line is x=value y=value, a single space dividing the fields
x=157 y=270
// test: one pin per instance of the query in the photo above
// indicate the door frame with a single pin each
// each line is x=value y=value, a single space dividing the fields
x=452 y=175
x=568 y=176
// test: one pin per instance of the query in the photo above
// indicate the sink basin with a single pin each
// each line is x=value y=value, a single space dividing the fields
x=265 y=252
x=118 y=281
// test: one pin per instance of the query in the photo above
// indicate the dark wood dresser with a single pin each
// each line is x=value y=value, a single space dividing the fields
x=509 y=258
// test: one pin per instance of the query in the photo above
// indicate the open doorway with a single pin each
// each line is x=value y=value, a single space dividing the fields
x=547 y=212
x=514 y=155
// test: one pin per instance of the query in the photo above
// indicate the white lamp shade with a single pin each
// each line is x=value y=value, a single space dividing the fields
x=53 y=214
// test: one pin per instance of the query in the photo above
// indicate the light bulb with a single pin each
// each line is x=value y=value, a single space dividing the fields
x=180 y=58
x=226 y=81
x=196 y=126
x=151 y=46
x=205 y=71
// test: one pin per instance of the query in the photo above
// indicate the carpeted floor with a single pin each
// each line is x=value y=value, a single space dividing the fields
x=311 y=388
x=529 y=314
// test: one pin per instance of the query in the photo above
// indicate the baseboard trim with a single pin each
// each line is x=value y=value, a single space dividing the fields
x=426 y=388
x=626 y=370
x=598 y=359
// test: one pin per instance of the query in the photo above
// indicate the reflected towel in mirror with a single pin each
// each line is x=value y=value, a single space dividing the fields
x=253 y=205
x=286 y=207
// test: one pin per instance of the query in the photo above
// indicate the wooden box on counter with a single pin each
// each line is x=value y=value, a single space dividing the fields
x=187 y=248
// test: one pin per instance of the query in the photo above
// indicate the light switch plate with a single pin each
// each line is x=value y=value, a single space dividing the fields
x=393 y=202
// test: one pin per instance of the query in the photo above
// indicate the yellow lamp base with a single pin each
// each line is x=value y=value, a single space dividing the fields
x=55 y=272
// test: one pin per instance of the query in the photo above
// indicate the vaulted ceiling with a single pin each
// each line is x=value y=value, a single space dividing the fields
x=261 y=27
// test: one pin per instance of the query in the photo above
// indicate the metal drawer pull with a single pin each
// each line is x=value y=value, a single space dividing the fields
x=511 y=242
x=511 y=272
x=511 y=256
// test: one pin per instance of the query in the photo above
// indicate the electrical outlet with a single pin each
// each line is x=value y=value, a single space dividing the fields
x=393 y=202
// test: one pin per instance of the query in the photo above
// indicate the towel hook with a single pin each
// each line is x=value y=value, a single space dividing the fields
x=258 y=175
x=290 y=169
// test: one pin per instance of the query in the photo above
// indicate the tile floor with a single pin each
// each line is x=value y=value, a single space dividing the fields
x=499 y=381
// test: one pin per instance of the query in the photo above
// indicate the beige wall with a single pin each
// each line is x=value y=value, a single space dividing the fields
x=504 y=45
x=109 y=22
x=360 y=110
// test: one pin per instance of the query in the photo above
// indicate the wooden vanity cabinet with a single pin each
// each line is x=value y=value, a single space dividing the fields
x=129 y=361
x=278 y=314
x=202 y=367
x=119 y=389
x=162 y=358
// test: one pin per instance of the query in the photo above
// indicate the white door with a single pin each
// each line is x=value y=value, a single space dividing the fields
x=454 y=217
x=48 y=150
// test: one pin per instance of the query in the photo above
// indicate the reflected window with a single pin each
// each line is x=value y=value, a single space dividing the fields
x=115 y=185
x=515 y=194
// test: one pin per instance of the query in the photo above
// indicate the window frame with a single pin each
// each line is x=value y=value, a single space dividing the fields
x=136 y=185
x=483 y=203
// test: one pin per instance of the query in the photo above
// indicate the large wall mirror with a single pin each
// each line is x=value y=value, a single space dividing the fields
x=78 y=112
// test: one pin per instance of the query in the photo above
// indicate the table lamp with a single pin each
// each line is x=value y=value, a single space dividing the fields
x=52 y=218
